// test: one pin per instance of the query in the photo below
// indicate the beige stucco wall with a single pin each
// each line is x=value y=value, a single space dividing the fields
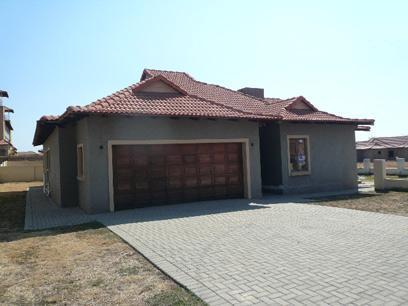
x=21 y=173
x=94 y=132
x=159 y=86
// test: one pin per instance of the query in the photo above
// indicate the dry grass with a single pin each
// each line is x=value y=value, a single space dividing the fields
x=81 y=265
x=386 y=203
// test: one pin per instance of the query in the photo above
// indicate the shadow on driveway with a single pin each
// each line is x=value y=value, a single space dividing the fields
x=42 y=212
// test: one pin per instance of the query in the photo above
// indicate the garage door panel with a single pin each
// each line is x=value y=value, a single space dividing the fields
x=157 y=150
x=219 y=158
x=203 y=148
x=175 y=170
x=219 y=169
x=190 y=182
x=174 y=159
x=159 y=184
x=141 y=185
x=206 y=193
x=174 y=196
x=189 y=159
x=188 y=149
x=233 y=157
x=220 y=191
x=233 y=180
x=157 y=160
x=233 y=147
x=234 y=191
x=220 y=180
x=147 y=175
x=218 y=147
x=204 y=158
x=190 y=171
x=205 y=170
x=124 y=185
x=175 y=183
x=141 y=161
x=159 y=196
x=205 y=180
x=158 y=171
x=190 y=195
x=233 y=169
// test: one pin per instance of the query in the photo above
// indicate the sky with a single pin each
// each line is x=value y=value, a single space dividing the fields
x=346 y=57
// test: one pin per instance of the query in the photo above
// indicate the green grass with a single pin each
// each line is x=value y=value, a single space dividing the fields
x=12 y=211
x=176 y=297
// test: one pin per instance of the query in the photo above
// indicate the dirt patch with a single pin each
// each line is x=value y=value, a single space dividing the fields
x=12 y=210
x=387 y=203
x=18 y=186
x=81 y=265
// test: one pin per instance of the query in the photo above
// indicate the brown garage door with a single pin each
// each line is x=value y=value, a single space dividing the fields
x=145 y=175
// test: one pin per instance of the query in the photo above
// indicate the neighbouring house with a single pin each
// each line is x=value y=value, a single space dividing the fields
x=6 y=148
x=387 y=148
x=15 y=166
x=171 y=139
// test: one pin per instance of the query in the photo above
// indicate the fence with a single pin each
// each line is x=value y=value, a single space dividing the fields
x=26 y=173
x=382 y=183
x=400 y=170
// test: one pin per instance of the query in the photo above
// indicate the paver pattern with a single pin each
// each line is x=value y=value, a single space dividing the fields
x=42 y=213
x=232 y=252
x=272 y=252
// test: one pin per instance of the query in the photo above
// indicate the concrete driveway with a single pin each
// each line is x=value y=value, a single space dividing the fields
x=235 y=252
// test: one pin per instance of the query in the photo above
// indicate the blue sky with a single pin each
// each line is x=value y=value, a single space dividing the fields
x=346 y=57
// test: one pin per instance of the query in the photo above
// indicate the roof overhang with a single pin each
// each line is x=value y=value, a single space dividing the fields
x=42 y=131
x=363 y=128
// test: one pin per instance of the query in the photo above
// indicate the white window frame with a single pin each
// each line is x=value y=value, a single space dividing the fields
x=82 y=176
x=309 y=164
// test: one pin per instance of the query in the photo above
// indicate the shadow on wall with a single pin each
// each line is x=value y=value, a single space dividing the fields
x=43 y=213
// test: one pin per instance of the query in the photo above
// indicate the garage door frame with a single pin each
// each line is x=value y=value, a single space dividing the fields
x=245 y=158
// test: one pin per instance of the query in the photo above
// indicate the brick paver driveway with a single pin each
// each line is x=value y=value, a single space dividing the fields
x=230 y=252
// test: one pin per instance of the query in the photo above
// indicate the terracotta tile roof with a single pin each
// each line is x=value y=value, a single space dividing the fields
x=282 y=107
x=191 y=98
x=228 y=97
x=274 y=107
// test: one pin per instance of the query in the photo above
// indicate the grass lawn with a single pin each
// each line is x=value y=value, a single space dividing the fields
x=79 y=265
x=387 y=203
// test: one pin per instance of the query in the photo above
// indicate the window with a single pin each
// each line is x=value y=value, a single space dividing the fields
x=46 y=160
x=7 y=134
x=298 y=155
x=391 y=154
x=80 y=161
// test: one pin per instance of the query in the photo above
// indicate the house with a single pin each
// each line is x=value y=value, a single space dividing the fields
x=171 y=139
x=6 y=148
x=383 y=148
